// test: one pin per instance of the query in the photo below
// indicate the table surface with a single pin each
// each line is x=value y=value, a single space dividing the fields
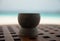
x=46 y=33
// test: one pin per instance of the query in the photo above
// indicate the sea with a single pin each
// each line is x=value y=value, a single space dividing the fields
x=42 y=14
x=10 y=17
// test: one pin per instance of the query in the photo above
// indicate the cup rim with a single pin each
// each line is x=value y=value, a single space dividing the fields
x=29 y=13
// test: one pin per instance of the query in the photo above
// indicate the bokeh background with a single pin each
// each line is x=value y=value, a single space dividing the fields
x=48 y=9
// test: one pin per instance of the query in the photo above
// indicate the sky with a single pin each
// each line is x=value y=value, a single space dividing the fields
x=39 y=5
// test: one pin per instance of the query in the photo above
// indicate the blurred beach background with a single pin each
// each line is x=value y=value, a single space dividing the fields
x=49 y=10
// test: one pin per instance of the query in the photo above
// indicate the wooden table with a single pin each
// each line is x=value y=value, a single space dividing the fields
x=46 y=33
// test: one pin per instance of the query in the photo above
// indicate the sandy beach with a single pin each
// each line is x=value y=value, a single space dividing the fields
x=13 y=20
